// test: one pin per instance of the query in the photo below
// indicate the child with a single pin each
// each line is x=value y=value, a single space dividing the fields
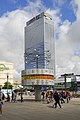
x=1 y=106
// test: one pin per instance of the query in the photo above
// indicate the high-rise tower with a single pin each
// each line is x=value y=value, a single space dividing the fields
x=39 y=51
x=39 y=40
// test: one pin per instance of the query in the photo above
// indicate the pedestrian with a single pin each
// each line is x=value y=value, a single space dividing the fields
x=0 y=94
x=51 y=95
x=61 y=98
x=12 y=96
x=67 y=96
x=43 y=93
x=57 y=99
x=48 y=97
x=1 y=106
x=8 y=97
x=47 y=94
x=3 y=96
x=21 y=98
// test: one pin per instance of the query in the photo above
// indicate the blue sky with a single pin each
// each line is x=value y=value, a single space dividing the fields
x=65 y=8
x=66 y=16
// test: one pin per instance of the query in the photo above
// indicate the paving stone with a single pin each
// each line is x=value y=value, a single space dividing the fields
x=31 y=110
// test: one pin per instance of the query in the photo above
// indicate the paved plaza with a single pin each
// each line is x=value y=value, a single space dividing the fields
x=31 y=110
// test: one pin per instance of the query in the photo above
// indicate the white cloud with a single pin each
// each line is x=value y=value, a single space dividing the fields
x=12 y=35
x=68 y=44
x=74 y=4
x=34 y=8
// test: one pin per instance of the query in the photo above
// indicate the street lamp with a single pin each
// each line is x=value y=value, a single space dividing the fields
x=37 y=87
x=64 y=75
x=37 y=57
x=7 y=83
x=75 y=86
x=65 y=81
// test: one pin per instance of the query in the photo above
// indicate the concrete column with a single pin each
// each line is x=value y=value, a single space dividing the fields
x=37 y=93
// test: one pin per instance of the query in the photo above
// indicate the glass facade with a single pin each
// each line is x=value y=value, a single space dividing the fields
x=39 y=43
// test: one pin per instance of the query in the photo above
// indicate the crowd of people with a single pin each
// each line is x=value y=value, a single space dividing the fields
x=58 y=97
x=8 y=98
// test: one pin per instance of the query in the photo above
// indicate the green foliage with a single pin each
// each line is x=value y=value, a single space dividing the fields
x=7 y=85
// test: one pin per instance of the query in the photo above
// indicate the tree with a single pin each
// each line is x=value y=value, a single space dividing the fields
x=7 y=85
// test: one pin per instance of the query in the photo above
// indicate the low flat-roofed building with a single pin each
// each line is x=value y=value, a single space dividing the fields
x=72 y=83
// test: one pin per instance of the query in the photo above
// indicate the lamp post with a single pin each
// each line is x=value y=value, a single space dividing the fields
x=7 y=83
x=64 y=75
x=65 y=81
x=37 y=87
x=37 y=57
x=75 y=86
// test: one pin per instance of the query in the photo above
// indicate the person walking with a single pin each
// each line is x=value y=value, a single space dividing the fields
x=48 y=97
x=0 y=94
x=14 y=97
x=57 y=99
x=8 y=98
x=43 y=93
x=1 y=106
x=21 y=97
x=61 y=98
x=67 y=96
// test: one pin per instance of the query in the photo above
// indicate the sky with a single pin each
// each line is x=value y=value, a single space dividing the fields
x=66 y=16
